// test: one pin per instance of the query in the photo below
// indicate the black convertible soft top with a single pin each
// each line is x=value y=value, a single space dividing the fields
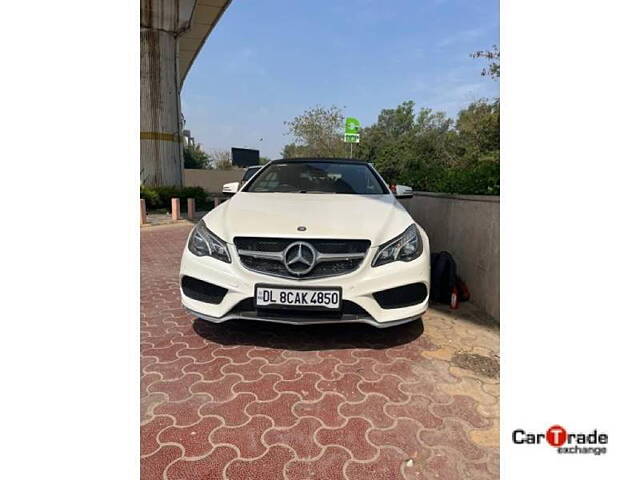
x=327 y=160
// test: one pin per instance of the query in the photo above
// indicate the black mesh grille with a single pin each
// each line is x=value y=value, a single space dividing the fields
x=335 y=268
x=202 y=291
x=403 y=296
x=271 y=267
x=323 y=269
x=261 y=244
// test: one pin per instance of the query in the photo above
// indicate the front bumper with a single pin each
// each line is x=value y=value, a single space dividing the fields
x=358 y=288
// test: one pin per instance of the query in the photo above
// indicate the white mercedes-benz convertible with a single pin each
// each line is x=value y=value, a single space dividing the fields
x=308 y=241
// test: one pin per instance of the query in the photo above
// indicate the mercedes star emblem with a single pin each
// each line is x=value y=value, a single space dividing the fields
x=300 y=258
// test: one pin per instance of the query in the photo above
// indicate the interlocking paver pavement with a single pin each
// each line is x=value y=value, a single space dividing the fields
x=246 y=400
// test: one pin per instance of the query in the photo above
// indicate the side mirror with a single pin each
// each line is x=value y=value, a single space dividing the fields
x=230 y=188
x=403 y=196
x=402 y=191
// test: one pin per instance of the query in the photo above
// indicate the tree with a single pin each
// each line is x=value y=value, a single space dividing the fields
x=317 y=133
x=398 y=122
x=263 y=160
x=426 y=149
x=429 y=151
x=405 y=147
x=291 y=150
x=478 y=128
x=195 y=157
x=477 y=151
x=493 y=56
x=221 y=160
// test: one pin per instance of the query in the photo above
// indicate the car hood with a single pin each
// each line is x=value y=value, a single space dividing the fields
x=376 y=218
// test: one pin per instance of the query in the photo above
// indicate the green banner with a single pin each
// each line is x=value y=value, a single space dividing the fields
x=352 y=130
x=351 y=126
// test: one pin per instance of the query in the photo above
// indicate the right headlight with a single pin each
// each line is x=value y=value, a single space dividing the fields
x=405 y=247
x=204 y=242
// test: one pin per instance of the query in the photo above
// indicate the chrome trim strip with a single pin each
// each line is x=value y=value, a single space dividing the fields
x=321 y=257
x=266 y=255
x=302 y=321
x=336 y=257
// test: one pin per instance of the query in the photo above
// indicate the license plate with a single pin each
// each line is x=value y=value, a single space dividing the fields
x=297 y=297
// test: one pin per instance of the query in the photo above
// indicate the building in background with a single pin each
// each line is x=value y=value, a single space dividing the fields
x=187 y=139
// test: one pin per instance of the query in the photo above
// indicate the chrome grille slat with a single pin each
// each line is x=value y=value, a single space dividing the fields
x=268 y=255
x=336 y=257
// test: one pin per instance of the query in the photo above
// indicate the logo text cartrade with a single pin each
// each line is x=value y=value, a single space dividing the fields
x=556 y=436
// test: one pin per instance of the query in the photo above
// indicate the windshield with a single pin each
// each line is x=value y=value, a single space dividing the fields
x=318 y=177
x=251 y=171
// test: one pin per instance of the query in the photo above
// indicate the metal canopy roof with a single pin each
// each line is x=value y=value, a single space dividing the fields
x=205 y=16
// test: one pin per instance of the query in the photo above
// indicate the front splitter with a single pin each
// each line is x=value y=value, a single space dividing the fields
x=294 y=320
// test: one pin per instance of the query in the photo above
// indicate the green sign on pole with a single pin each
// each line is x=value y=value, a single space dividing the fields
x=352 y=130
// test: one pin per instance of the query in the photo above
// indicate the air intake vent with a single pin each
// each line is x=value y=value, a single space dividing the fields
x=403 y=296
x=202 y=291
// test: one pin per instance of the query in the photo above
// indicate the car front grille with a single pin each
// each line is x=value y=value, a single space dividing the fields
x=332 y=257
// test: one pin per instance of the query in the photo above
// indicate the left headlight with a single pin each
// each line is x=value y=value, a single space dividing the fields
x=204 y=242
x=405 y=247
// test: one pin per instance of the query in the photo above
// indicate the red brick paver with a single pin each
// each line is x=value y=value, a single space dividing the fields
x=246 y=400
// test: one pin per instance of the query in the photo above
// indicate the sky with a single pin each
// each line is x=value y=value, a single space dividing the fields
x=267 y=61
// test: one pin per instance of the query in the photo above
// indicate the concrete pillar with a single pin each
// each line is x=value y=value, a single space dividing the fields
x=175 y=209
x=191 y=208
x=161 y=24
x=143 y=212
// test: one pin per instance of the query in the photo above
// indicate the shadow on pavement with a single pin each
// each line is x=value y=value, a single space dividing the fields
x=468 y=311
x=307 y=337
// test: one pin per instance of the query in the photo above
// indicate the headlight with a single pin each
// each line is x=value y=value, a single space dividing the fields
x=405 y=247
x=204 y=243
